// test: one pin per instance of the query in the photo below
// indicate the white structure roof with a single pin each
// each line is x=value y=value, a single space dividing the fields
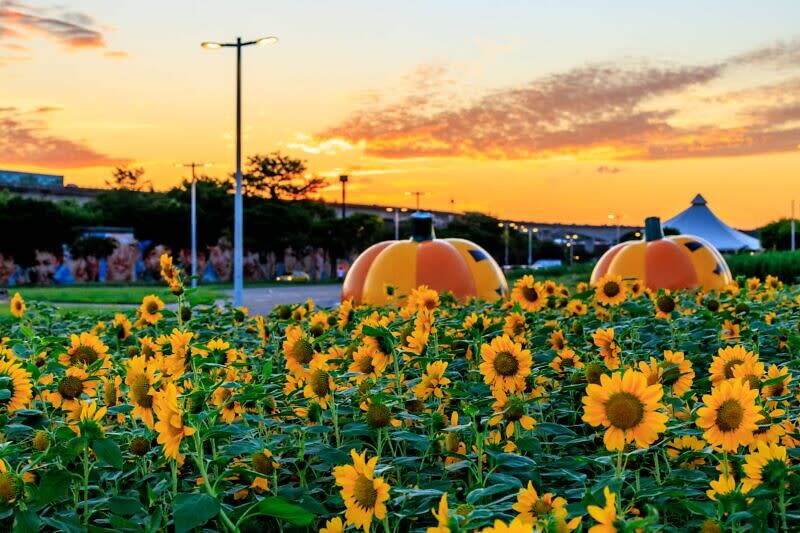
x=699 y=220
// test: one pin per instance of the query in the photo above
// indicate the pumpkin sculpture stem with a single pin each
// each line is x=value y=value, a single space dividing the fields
x=652 y=229
x=422 y=227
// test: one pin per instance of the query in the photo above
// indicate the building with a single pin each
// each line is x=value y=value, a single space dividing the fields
x=44 y=187
x=699 y=220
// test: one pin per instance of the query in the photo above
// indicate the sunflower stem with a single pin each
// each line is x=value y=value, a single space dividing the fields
x=201 y=465
x=174 y=465
x=86 y=470
x=782 y=505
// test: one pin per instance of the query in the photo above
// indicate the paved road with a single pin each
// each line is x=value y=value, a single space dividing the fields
x=261 y=300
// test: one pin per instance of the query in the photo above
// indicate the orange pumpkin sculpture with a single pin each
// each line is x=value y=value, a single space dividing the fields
x=677 y=262
x=456 y=265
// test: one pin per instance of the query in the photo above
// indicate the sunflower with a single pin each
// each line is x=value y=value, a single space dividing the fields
x=727 y=358
x=609 y=348
x=417 y=341
x=533 y=508
x=776 y=383
x=610 y=290
x=229 y=409
x=514 y=326
x=75 y=383
x=345 y=313
x=150 y=310
x=510 y=410
x=334 y=525
x=730 y=330
x=148 y=348
x=368 y=362
x=677 y=372
x=17 y=306
x=85 y=350
x=636 y=288
x=320 y=384
x=442 y=516
x=169 y=273
x=318 y=323
x=140 y=378
x=515 y=526
x=565 y=360
x=423 y=297
x=122 y=325
x=729 y=416
x=722 y=486
x=768 y=465
x=751 y=371
x=604 y=516
x=364 y=494
x=557 y=341
x=263 y=463
x=576 y=308
x=665 y=304
x=12 y=486
x=529 y=294
x=432 y=381
x=505 y=364
x=170 y=427
x=688 y=445
x=87 y=419
x=111 y=394
x=17 y=381
x=628 y=407
x=297 y=350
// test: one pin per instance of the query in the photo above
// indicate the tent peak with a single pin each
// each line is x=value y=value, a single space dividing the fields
x=699 y=200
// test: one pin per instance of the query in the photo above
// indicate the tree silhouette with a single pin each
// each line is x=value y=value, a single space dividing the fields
x=279 y=177
x=129 y=179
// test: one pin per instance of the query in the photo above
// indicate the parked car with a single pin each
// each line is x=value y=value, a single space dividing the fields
x=542 y=264
x=297 y=276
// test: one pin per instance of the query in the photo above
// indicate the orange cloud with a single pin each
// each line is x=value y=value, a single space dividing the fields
x=611 y=111
x=71 y=29
x=24 y=140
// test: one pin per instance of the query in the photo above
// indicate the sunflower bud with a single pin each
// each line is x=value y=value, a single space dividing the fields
x=41 y=441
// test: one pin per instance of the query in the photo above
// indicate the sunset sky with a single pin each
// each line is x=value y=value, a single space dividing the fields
x=539 y=110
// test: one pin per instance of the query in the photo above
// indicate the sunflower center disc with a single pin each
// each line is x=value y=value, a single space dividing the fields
x=302 y=351
x=624 y=410
x=70 y=387
x=364 y=492
x=611 y=289
x=541 y=507
x=139 y=391
x=85 y=355
x=506 y=364
x=530 y=294
x=319 y=383
x=728 y=368
x=730 y=415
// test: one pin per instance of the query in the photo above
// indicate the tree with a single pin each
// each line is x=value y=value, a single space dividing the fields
x=279 y=177
x=129 y=179
x=777 y=235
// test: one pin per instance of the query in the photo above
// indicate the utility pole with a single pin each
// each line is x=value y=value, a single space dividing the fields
x=193 y=165
x=793 y=245
x=344 y=178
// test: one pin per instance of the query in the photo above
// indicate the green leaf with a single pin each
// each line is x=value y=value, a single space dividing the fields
x=53 y=486
x=26 y=520
x=280 y=508
x=124 y=505
x=192 y=510
x=107 y=450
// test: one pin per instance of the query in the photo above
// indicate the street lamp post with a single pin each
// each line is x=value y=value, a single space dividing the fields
x=238 y=214
x=396 y=217
x=530 y=246
x=504 y=225
x=417 y=194
x=793 y=245
x=344 y=178
x=614 y=217
x=193 y=202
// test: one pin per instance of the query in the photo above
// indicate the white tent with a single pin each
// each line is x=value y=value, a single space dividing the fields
x=699 y=220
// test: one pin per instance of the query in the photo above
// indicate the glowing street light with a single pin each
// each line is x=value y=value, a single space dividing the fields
x=238 y=209
x=415 y=193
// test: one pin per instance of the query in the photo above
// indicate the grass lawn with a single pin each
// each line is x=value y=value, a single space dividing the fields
x=128 y=294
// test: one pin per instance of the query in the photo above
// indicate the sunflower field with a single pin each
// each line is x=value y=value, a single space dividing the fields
x=602 y=409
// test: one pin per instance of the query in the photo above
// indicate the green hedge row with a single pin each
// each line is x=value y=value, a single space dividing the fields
x=785 y=265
